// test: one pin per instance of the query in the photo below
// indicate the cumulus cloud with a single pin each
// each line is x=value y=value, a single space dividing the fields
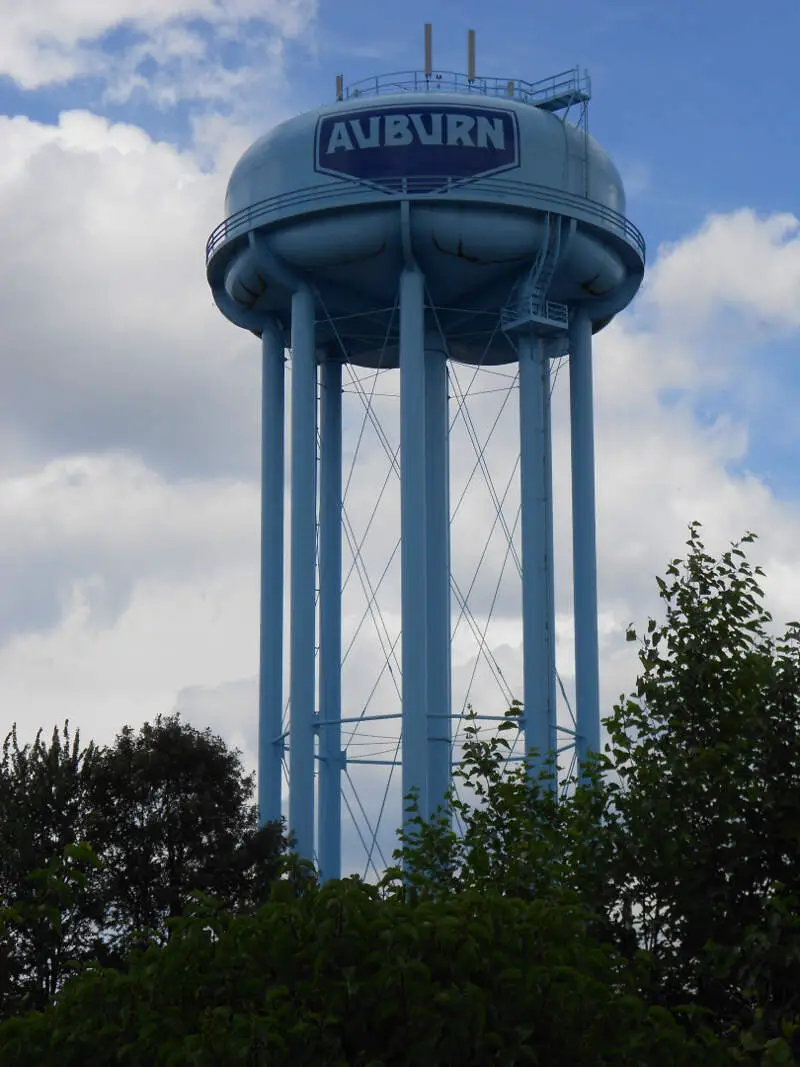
x=167 y=49
x=111 y=339
x=738 y=265
x=103 y=675
x=103 y=522
x=129 y=452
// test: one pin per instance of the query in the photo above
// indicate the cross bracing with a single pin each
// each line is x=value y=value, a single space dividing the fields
x=484 y=515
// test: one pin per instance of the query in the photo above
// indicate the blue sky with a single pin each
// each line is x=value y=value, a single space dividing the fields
x=694 y=101
x=129 y=407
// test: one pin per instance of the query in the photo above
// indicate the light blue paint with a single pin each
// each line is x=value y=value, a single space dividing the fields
x=499 y=287
x=584 y=549
x=547 y=386
x=302 y=669
x=330 y=621
x=281 y=207
x=538 y=619
x=414 y=536
x=270 y=686
x=437 y=549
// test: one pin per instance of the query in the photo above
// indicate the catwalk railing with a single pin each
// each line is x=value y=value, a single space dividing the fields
x=501 y=191
x=550 y=94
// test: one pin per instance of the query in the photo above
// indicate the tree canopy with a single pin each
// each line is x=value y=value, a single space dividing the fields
x=647 y=916
x=167 y=810
x=349 y=973
x=706 y=864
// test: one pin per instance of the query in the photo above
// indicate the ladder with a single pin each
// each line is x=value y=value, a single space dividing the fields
x=528 y=305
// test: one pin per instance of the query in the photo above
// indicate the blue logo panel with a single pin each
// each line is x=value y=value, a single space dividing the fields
x=380 y=144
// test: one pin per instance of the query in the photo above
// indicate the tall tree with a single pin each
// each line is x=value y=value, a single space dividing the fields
x=684 y=842
x=168 y=810
x=707 y=754
x=670 y=878
x=172 y=812
x=44 y=807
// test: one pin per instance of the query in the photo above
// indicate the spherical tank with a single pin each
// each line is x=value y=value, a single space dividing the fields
x=479 y=192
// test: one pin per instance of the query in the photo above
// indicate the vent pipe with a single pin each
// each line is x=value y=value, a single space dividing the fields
x=471 y=55
x=428 y=50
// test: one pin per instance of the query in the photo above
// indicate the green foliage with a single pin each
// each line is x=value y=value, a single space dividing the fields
x=651 y=916
x=707 y=814
x=342 y=975
x=510 y=830
x=44 y=811
x=172 y=814
x=44 y=920
x=683 y=840
x=168 y=811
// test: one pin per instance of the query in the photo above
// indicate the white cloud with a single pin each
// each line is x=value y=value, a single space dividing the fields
x=126 y=490
x=738 y=265
x=111 y=339
x=106 y=522
x=129 y=450
x=131 y=668
x=165 y=48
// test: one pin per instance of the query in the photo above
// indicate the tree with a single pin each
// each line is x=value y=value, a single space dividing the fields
x=168 y=810
x=44 y=808
x=515 y=834
x=707 y=827
x=651 y=916
x=683 y=840
x=348 y=974
x=45 y=920
x=173 y=814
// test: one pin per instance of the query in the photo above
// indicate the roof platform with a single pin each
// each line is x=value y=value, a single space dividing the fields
x=556 y=93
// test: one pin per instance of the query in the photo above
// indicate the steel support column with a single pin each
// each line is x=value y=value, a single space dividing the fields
x=302 y=633
x=538 y=614
x=413 y=532
x=547 y=385
x=330 y=621
x=584 y=548
x=270 y=672
x=437 y=551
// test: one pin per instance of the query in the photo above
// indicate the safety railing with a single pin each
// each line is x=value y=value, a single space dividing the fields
x=559 y=89
x=555 y=312
x=535 y=310
x=501 y=190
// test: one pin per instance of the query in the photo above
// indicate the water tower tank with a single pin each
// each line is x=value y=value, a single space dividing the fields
x=321 y=195
x=421 y=218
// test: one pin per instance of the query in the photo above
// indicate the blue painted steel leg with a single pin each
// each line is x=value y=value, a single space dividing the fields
x=303 y=575
x=547 y=386
x=413 y=532
x=270 y=682
x=330 y=621
x=537 y=559
x=437 y=462
x=584 y=549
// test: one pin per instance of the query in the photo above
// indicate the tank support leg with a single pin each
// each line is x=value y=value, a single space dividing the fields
x=270 y=680
x=413 y=532
x=437 y=462
x=538 y=609
x=547 y=387
x=303 y=574
x=584 y=548
x=330 y=621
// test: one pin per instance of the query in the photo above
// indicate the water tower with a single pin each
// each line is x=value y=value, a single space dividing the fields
x=423 y=219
